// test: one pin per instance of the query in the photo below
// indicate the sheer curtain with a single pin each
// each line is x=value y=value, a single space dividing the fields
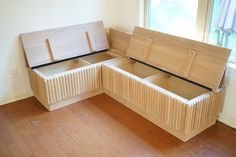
x=226 y=21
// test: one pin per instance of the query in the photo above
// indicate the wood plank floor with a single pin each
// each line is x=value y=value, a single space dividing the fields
x=96 y=127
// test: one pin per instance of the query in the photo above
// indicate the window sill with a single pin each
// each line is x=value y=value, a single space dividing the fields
x=232 y=61
x=232 y=64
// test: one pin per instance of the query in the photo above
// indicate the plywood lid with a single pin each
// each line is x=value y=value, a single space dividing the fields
x=195 y=61
x=44 y=47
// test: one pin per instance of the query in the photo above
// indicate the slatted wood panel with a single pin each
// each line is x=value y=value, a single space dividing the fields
x=62 y=86
x=182 y=119
x=38 y=85
x=203 y=112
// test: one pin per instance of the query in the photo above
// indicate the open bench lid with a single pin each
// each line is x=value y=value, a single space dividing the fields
x=49 y=46
x=195 y=61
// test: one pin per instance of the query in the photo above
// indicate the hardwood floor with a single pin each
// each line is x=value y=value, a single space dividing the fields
x=99 y=126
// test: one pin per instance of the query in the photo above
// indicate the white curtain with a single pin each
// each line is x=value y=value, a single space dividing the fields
x=226 y=21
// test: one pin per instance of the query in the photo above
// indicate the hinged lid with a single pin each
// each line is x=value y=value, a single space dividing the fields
x=195 y=61
x=53 y=45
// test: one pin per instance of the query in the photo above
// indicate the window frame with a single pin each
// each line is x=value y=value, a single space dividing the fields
x=203 y=20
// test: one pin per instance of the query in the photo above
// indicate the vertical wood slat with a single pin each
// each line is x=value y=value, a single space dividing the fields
x=169 y=113
x=157 y=105
x=65 y=85
x=39 y=86
x=203 y=111
x=74 y=83
x=175 y=116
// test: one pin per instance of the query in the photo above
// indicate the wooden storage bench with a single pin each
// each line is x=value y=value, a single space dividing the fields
x=178 y=106
x=67 y=82
x=171 y=81
x=65 y=63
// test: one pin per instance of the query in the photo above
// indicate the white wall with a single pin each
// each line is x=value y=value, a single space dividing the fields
x=228 y=114
x=128 y=13
x=19 y=16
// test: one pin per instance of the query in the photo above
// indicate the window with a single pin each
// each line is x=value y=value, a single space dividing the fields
x=214 y=37
x=176 y=17
x=188 y=18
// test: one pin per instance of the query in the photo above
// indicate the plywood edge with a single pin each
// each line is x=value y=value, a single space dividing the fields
x=205 y=96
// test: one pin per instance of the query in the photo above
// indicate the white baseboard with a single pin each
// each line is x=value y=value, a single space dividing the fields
x=16 y=98
x=227 y=120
